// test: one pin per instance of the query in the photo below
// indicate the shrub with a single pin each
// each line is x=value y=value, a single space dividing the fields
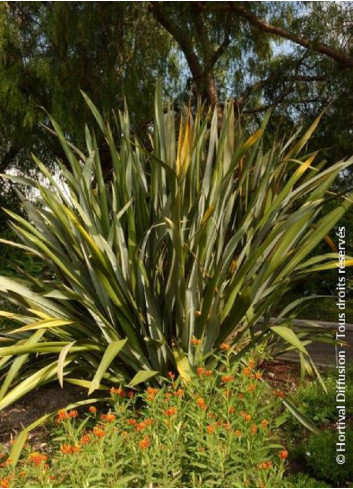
x=303 y=480
x=318 y=404
x=219 y=431
x=197 y=238
x=321 y=457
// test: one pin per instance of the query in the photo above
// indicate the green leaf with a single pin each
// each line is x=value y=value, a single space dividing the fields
x=142 y=376
x=112 y=350
x=288 y=335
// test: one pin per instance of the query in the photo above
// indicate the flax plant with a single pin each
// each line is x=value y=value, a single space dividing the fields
x=181 y=247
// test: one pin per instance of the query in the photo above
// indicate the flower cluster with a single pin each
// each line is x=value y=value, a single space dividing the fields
x=37 y=458
x=64 y=415
x=225 y=415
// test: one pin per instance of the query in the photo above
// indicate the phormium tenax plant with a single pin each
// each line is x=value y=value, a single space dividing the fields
x=185 y=243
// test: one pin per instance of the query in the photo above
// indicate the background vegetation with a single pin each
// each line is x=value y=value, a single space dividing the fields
x=293 y=57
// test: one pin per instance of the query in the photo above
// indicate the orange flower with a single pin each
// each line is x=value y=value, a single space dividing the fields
x=200 y=371
x=73 y=414
x=195 y=341
x=167 y=395
x=118 y=391
x=227 y=378
x=171 y=375
x=4 y=483
x=37 y=458
x=151 y=393
x=130 y=394
x=241 y=395
x=254 y=429
x=108 y=418
x=251 y=387
x=22 y=474
x=227 y=426
x=65 y=448
x=258 y=375
x=98 y=432
x=210 y=429
x=283 y=454
x=179 y=393
x=231 y=410
x=246 y=371
x=85 y=439
x=170 y=412
x=62 y=415
x=247 y=417
x=92 y=409
x=264 y=424
x=224 y=346
x=145 y=442
x=201 y=403
x=52 y=477
x=237 y=433
x=131 y=422
x=266 y=465
x=143 y=424
x=208 y=373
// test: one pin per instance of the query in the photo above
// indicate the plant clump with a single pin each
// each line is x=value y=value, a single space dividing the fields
x=219 y=430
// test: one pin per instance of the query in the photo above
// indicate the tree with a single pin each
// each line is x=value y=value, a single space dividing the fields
x=51 y=50
x=293 y=57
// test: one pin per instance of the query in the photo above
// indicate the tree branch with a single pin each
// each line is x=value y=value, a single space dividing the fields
x=319 y=47
x=180 y=36
x=337 y=55
x=221 y=48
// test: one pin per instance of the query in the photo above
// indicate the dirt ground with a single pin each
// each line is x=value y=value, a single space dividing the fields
x=282 y=374
x=42 y=401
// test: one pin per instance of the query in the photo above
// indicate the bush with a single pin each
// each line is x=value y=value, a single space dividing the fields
x=218 y=431
x=321 y=457
x=197 y=238
x=303 y=480
x=318 y=405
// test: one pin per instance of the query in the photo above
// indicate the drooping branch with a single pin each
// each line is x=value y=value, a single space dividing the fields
x=264 y=83
x=337 y=55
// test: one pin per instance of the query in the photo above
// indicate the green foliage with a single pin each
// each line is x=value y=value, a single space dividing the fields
x=49 y=51
x=218 y=431
x=194 y=240
x=317 y=452
x=319 y=405
x=303 y=480
x=321 y=457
